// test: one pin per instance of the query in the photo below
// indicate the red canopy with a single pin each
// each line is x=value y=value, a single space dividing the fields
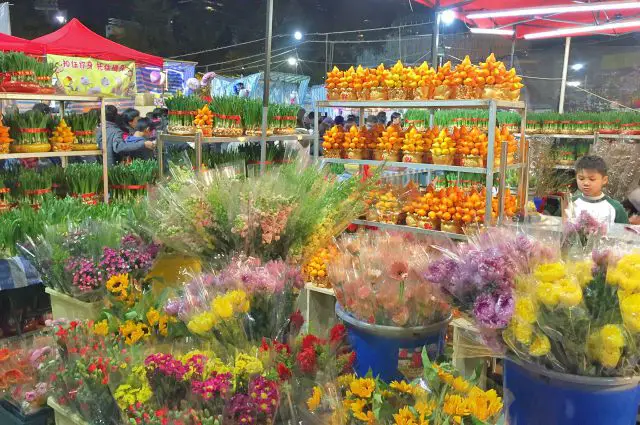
x=9 y=43
x=74 y=39
x=536 y=23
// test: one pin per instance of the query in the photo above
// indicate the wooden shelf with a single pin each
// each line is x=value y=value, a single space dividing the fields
x=48 y=97
x=49 y=154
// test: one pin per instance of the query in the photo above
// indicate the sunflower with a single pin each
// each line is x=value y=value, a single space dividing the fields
x=402 y=387
x=118 y=283
x=363 y=387
x=404 y=417
x=314 y=401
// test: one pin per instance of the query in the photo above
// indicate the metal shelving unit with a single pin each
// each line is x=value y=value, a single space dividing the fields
x=199 y=140
x=64 y=155
x=492 y=104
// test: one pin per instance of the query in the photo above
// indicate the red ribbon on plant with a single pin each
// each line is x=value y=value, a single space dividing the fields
x=38 y=191
x=33 y=130
x=83 y=133
x=5 y=190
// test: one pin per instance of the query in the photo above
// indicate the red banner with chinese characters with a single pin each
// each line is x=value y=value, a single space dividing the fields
x=93 y=77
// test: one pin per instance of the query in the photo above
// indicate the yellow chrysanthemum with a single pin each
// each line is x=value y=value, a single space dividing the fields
x=202 y=323
x=550 y=272
x=118 y=283
x=239 y=301
x=153 y=317
x=363 y=387
x=569 y=293
x=222 y=307
x=582 y=270
x=630 y=309
x=402 y=386
x=101 y=328
x=609 y=357
x=404 y=417
x=314 y=401
x=523 y=332
x=525 y=310
x=540 y=346
x=548 y=294
x=246 y=364
x=626 y=273
x=611 y=336
x=484 y=404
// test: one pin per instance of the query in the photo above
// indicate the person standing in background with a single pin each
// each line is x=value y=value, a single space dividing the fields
x=114 y=133
x=128 y=120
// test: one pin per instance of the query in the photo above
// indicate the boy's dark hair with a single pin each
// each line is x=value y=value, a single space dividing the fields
x=144 y=124
x=129 y=115
x=339 y=120
x=41 y=107
x=592 y=162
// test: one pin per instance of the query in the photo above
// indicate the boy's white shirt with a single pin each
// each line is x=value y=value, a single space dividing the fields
x=602 y=211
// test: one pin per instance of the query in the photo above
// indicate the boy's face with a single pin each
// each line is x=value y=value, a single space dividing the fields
x=591 y=182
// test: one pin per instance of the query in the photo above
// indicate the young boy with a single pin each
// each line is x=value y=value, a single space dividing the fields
x=591 y=176
x=137 y=145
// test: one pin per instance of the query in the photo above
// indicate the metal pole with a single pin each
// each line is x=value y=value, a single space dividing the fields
x=400 y=43
x=435 y=36
x=502 y=192
x=326 y=53
x=265 y=93
x=565 y=66
x=523 y=187
x=160 y=149
x=513 y=48
x=105 y=159
x=316 y=134
x=491 y=157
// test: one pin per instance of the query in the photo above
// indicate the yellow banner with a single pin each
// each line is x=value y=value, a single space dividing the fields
x=93 y=77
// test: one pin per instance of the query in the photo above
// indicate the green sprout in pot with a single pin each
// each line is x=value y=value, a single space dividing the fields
x=84 y=182
x=131 y=181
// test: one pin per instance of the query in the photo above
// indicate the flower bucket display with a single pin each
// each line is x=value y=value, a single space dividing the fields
x=390 y=352
x=537 y=396
x=66 y=307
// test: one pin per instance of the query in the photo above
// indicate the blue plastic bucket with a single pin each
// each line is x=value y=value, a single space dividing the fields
x=536 y=396
x=386 y=350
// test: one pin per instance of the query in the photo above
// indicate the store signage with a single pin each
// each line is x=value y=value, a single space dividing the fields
x=93 y=77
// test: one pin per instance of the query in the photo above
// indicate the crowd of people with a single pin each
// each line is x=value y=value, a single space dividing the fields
x=129 y=135
x=325 y=122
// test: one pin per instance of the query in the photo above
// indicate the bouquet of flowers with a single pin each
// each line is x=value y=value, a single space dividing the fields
x=21 y=381
x=286 y=212
x=377 y=278
x=439 y=397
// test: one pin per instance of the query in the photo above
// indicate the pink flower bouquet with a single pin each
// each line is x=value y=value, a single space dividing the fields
x=377 y=279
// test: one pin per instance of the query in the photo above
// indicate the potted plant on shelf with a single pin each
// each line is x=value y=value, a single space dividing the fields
x=84 y=129
x=19 y=75
x=29 y=131
x=84 y=182
x=228 y=116
x=62 y=137
x=130 y=181
x=182 y=111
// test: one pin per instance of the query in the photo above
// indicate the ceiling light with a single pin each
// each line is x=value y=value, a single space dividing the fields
x=494 y=31
x=61 y=19
x=566 y=8
x=297 y=35
x=573 y=83
x=448 y=16
x=577 y=66
x=292 y=61
x=562 y=32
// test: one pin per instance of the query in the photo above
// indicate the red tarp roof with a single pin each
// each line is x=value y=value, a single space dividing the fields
x=74 y=39
x=533 y=24
x=9 y=43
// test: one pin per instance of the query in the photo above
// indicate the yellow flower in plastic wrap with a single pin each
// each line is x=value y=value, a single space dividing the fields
x=525 y=310
x=626 y=273
x=222 y=307
x=550 y=272
x=215 y=365
x=357 y=407
x=118 y=283
x=402 y=386
x=455 y=405
x=163 y=324
x=630 y=309
x=540 y=346
x=582 y=270
x=101 y=328
x=404 y=417
x=610 y=358
x=548 y=294
x=239 y=301
x=611 y=337
x=153 y=316
x=523 y=332
x=144 y=394
x=346 y=380
x=484 y=404
x=363 y=387
x=202 y=323
x=316 y=397
x=247 y=364
x=569 y=293
x=460 y=385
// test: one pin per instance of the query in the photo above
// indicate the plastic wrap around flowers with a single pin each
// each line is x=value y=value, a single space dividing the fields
x=258 y=295
x=376 y=277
